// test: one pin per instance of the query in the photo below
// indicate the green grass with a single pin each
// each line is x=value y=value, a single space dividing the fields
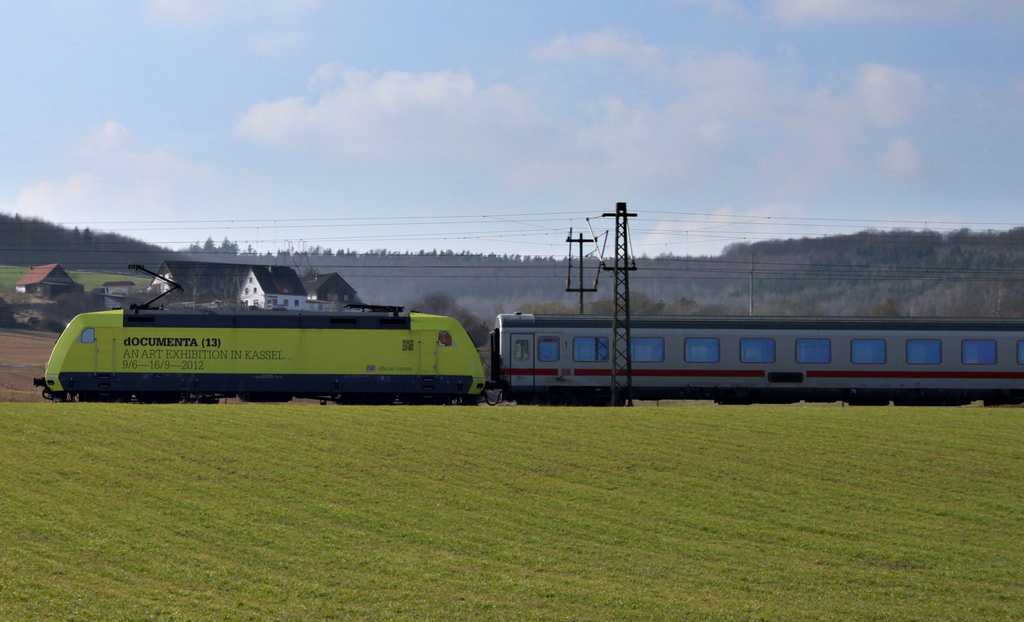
x=10 y=275
x=249 y=512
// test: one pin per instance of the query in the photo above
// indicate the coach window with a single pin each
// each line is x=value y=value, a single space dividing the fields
x=522 y=349
x=813 y=351
x=590 y=348
x=924 y=351
x=647 y=349
x=757 y=350
x=1020 y=352
x=88 y=336
x=547 y=349
x=978 y=352
x=701 y=350
x=867 y=351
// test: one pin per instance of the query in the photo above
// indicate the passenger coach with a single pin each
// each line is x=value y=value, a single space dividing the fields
x=742 y=360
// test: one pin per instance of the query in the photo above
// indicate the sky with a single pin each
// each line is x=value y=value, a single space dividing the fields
x=493 y=126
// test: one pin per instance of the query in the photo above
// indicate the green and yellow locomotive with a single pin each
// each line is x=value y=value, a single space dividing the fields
x=153 y=355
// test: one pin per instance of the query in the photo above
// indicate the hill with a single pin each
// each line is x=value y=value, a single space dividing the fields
x=898 y=272
x=26 y=241
x=912 y=273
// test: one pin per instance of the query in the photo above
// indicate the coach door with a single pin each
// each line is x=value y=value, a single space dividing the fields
x=521 y=366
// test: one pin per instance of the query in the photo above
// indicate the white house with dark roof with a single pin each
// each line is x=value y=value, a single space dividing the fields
x=273 y=287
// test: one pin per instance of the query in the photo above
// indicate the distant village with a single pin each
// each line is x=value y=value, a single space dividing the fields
x=204 y=285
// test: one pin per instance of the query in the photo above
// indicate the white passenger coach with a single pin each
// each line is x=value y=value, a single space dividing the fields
x=567 y=359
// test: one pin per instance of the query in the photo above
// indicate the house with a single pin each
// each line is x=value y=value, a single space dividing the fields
x=258 y=287
x=48 y=281
x=202 y=282
x=116 y=288
x=328 y=291
x=273 y=287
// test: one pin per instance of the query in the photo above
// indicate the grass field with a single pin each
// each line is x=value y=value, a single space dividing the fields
x=288 y=512
x=10 y=275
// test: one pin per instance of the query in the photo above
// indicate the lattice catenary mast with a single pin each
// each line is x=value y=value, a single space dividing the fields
x=624 y=263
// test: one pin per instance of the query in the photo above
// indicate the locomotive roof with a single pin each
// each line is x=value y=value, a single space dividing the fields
x=538 y=321
x=215 y=318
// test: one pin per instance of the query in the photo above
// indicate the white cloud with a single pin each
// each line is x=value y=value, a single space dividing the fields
x=112 y=181
x=900 y=159
x=888 y=94
x=802 y=10
x=725 y=123
x=397 y=114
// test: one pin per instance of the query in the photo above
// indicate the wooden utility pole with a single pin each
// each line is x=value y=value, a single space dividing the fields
x=568 y=280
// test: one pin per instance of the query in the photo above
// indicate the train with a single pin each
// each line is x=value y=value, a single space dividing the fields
x=384 y=356
x=151 y=355
x=567 y=359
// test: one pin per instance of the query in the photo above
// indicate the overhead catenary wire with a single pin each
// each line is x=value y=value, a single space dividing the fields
x=533 y=232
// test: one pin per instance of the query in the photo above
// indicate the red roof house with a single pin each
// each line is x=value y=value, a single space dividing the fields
x=48 y=281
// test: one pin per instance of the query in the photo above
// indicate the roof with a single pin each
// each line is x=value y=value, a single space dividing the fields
x=39 y=274
x=710 y=324
x=203 y=281
x=313 y=282
x=278 y=280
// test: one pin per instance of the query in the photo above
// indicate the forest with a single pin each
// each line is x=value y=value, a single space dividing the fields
x=873 y=272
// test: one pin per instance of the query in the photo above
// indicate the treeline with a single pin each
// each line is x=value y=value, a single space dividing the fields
x=26 y=241
x=227 y=247
x=873 y=272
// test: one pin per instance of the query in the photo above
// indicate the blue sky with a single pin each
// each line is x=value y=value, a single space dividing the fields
x=496 y=126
